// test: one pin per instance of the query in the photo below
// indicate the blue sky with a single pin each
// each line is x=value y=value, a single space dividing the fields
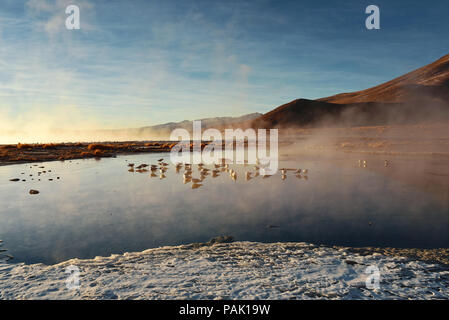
x=137 y=63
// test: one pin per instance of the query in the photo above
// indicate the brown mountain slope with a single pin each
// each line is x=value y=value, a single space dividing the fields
x=432 y=79
x=419 y=96
x=311 y=113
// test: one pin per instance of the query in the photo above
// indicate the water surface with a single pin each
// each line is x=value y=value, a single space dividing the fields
x=97 y=208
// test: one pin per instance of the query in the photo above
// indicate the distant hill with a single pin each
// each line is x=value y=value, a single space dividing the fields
x=163 y=131
x=419 y=96
x=216 y=122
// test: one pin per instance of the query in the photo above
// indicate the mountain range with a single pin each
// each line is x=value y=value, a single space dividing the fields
x=163 y=131
x=418 y=96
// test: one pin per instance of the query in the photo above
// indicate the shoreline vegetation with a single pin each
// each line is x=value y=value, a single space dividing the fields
x=28 y=153
x=407 y=140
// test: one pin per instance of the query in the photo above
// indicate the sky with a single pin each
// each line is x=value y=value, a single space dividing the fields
x=138 y=63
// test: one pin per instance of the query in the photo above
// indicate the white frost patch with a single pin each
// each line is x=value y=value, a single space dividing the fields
x=238 y=270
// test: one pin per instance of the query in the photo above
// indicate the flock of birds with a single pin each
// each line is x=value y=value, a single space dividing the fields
x=364 y=163
x=216 y=170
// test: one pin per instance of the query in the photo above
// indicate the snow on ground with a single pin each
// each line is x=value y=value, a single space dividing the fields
x=238 y=270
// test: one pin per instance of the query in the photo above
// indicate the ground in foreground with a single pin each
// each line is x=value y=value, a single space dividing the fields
x=238 y=270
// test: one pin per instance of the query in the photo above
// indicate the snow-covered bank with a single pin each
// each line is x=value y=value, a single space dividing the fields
x=238 y=270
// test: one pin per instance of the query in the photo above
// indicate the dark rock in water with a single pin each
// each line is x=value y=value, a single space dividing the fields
x=34 y=191
x=14 y=180
x=221 y=239
x=350 y=262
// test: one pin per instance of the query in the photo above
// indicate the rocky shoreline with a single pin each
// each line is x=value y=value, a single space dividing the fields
x=29 y=153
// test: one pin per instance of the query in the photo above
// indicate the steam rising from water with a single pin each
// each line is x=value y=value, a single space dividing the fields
x=69 y=124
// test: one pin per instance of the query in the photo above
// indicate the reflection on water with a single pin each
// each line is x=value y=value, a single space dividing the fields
x=4 y=256
x=86 y=208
